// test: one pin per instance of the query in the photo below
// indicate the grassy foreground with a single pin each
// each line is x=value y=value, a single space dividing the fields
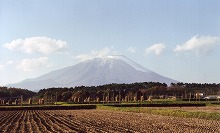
x=165 y=112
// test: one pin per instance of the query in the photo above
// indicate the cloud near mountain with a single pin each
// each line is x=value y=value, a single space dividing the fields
x=199 y=44
x=97 y=54
x=31 y=45
x=156 y=49
x=33 y=64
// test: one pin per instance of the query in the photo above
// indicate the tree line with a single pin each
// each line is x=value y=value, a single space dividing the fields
x=113 y=92
x=127 y=91
x=13 y=93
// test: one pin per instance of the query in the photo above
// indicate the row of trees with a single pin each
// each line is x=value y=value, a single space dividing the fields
x=128 y=91
x=114 y=91
x=13 y=93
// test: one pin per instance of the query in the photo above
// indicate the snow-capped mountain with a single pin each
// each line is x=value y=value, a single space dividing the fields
x=93 y=72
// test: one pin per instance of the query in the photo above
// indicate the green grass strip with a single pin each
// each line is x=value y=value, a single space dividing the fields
x=166 y=112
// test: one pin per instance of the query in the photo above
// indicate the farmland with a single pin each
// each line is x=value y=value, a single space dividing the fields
x=102 y=120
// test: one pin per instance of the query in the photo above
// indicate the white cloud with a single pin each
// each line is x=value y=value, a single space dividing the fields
x=156 y=49
x=36 y=44
x=33 y=64
x=5 y=65
x=199 y=44
x=1 y=67
x=131 y=49
x=10 y=62
x=100 y=53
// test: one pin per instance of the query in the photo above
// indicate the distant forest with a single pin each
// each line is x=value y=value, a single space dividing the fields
x=112 y=91
x=15 y=93
x=127 y=92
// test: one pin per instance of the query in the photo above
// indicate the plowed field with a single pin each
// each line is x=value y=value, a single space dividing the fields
x=99 y=121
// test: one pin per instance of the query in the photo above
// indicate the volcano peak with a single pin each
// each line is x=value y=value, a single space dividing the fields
x=95 y=71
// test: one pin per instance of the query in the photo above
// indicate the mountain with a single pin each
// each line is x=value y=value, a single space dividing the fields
x=93 y=72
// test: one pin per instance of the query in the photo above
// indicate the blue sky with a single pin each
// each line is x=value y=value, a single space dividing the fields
x=178 y=39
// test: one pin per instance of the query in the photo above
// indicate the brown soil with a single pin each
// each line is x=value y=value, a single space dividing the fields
x=99 y=121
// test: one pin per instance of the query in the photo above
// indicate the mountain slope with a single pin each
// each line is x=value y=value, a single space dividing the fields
x=96 y=71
